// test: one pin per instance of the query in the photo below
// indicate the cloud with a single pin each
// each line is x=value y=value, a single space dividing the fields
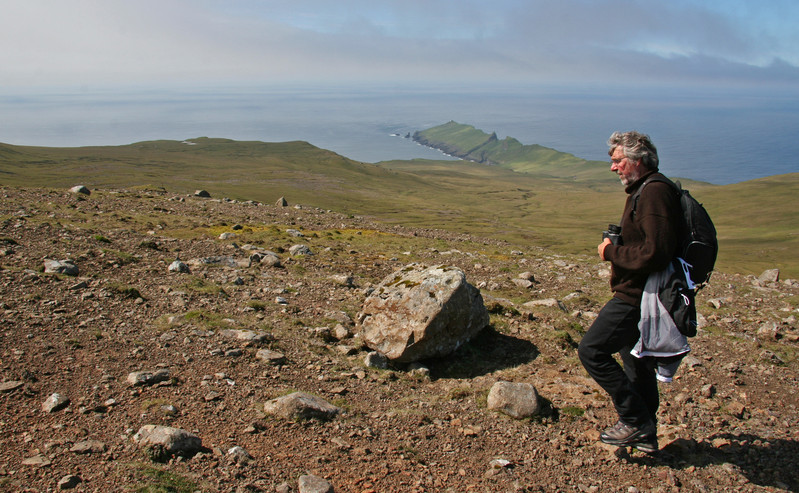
x=99 y=42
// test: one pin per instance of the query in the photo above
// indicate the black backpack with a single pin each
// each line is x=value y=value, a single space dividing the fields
x=698 y=245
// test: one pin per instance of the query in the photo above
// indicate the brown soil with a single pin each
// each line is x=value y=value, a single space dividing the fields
x=728 y=422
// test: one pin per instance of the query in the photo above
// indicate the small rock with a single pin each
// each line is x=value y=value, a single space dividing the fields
x=69 y=481
x=39 y=460
x=271 y=357
x=523 y=283
x=10 y=386
x=300 y=250
x=340 y=332
x=737 y=409
x=375 y=359
x=518 y=400
x=227 y=236
x=89 y=447
x=281 y=202
x=314 y=484
x=178 y=266
x=301 y=405
x=770 y=275
x=239 y=455
x=544 y=302
x=202 y=193
x=147 y=377
x=66 y=267
x=54 y=403
x=295 y=233
x=343 y=280
x=80 y=189
x=162 y=442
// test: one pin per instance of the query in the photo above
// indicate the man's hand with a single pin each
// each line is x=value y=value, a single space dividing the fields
x=601 y=248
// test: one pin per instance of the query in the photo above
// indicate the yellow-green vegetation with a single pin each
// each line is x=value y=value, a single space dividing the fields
x=207 y=319
x=542 y=203
x=152 y=479
x=124 y=290
x=202 y=286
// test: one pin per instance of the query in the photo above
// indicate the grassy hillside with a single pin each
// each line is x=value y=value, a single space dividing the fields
x=467 y=142
x=756 y=220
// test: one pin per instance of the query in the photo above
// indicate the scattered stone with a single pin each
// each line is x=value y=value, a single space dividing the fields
x=314 y=484
x=140 y=378
x=271 y=357
x=295 y=233
x=202 y=193
x=55 y=402
x=300 y=250
x=340 y=332
x=770 y=275
x=240 y=456
x=708 y=391
x=375 y=359
x=267 y=258
x=38 y=460
x=301 y=406
x=343 y=280
x=281 y=202
x=517 y=400
x=80 y=189
x=227 y=236
x=220 y=261
x=10 y=386
x=715 y=303
x=89 y=447
x=65 y=267
x=162 y=442
x=417 y=313
x=523 y=283
x=545 y=302
x=180 y=267
x=737 y=409
x=247 y=336
x=69 y=481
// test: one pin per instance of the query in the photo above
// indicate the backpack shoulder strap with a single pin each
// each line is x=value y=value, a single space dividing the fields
x=656 y=177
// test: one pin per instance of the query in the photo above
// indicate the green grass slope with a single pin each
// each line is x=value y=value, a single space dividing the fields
x=469 y=143
x=756 y=221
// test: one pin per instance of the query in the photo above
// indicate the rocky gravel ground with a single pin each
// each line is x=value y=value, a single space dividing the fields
x=728 y=422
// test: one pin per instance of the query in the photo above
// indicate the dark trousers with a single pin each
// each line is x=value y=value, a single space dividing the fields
x=633 y=388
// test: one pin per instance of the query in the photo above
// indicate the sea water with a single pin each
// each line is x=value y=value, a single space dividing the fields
x=717 y=136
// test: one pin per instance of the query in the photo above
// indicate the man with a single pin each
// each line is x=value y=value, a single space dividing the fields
x=649 y=231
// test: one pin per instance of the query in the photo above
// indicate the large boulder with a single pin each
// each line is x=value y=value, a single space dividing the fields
x=418 y=313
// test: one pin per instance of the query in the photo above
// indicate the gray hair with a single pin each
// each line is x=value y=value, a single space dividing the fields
x=635 y=146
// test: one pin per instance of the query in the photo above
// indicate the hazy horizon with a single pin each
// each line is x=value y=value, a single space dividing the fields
x=703 y=135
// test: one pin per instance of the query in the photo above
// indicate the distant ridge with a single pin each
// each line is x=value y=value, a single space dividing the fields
x=467 y=142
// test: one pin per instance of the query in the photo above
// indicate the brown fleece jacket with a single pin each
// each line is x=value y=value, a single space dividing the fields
x=650 y=238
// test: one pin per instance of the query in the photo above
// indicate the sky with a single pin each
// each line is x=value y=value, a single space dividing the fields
x=112 y=43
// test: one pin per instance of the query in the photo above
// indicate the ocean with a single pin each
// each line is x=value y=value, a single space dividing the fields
x=718 y=136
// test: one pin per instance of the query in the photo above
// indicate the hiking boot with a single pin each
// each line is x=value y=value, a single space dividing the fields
x=648 y=446
x=644 y=438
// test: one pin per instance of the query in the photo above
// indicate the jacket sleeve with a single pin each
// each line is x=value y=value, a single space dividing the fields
x=655 y=220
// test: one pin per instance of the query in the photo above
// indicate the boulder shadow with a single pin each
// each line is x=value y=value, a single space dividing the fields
x=486 y=352
x=763 y=461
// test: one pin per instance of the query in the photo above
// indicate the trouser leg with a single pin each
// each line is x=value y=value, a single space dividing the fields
x=616 y=330
x=641 y=373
